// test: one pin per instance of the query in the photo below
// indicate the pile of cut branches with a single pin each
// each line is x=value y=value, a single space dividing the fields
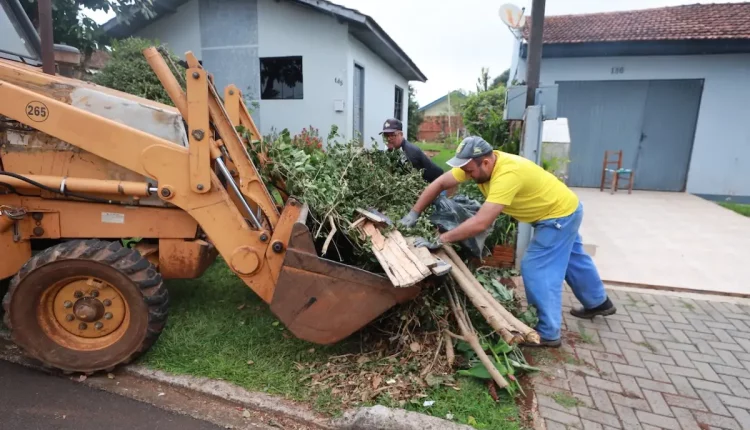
x=415 y=345
x=337 y=181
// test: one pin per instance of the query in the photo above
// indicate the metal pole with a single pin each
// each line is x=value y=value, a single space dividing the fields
x=233 y=185
x=45 y=34
x=534 y=57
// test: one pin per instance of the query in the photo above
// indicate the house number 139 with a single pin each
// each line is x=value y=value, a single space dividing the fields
x=618 y=70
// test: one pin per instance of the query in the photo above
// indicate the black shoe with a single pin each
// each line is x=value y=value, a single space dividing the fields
x=606 y=308
x=543 y=344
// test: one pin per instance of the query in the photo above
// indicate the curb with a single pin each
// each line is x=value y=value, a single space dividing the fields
x=231 y=392
x=365 y=418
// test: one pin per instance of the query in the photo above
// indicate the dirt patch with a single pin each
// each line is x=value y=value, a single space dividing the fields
x=430 y=153
x=527 y=405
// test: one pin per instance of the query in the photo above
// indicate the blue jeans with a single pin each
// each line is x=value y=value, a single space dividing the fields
x=556 y=254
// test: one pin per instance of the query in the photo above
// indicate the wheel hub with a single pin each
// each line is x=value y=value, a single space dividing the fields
x=88 y=310
x=88 y=307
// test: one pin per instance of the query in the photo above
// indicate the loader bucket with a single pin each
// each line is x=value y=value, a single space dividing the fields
x=322 y=301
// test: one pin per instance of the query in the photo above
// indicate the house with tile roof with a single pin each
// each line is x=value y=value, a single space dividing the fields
x=670 y=87
x=305 y=62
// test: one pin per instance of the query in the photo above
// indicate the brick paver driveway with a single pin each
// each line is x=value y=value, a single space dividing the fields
x=660 y=362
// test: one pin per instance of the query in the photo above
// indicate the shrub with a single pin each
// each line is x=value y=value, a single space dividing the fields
x=128 y=71
x=483 y=116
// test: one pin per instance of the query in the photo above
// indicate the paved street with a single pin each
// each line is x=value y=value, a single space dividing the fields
x=661 y=362
x=33 y=400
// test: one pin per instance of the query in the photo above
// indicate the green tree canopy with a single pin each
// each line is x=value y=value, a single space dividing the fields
x=70 y=26
x=483 y=116
x=501 y=80
x=127 y=70
x=415 y=116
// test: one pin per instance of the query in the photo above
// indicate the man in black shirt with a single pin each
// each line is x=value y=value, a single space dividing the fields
x=394 y=137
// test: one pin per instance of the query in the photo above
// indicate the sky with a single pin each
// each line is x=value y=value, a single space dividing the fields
x=451 y=40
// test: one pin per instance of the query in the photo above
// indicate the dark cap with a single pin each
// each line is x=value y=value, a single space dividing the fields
x=470 y=148
x=392 y=125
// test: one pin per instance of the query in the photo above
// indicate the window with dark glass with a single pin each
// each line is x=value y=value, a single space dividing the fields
x=398 y=104
x=281 y=78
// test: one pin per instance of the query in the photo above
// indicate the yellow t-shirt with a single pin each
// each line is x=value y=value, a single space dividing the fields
x=528 y=192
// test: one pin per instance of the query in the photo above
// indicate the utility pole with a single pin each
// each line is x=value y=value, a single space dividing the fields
x=45 y=34
x=534 y=57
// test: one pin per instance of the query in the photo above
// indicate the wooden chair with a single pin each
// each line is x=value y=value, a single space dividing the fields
x=613 y=167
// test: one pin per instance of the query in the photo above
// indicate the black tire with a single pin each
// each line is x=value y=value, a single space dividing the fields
x=137 y=281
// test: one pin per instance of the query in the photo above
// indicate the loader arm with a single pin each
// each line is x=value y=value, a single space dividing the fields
x=250 y=183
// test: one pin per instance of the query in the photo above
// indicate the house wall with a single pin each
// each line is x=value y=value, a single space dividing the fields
x=288 y=29
x=721 y=149
x=223 y=34
x=438 y=109
x=180 y=31
x=380 y=91
x=230 y=37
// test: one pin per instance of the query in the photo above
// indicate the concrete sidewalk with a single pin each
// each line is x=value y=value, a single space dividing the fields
x=672 y=240
x=663 y=361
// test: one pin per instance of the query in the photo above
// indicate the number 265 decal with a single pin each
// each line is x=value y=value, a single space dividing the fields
x=37 y=111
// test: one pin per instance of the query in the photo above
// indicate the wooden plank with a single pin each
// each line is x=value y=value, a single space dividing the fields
x=424 y=254
x=399 y=239
x=378 y=241
x=401 y=265
x=389 y=262
x=409 y=276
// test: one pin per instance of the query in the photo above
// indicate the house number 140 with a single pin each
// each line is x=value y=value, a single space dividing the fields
x=618 y=70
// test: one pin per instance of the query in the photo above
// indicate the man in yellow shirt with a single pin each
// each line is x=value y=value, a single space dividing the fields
x=530 y=194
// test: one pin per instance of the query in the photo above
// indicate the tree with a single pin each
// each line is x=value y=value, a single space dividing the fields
x=483 y=116
x=415 y=116
x=501 y=80
x=127 y=70
x=483 y=80
x=71 y=27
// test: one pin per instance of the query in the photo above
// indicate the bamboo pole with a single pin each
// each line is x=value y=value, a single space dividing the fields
x=471 y=338
x=494 y=318
x=529 y=334
x=450 y=354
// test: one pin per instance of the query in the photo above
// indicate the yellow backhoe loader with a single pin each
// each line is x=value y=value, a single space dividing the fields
x=83 y=167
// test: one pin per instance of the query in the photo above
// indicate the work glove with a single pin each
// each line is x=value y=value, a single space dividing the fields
x=410 y=220
x=431 y=245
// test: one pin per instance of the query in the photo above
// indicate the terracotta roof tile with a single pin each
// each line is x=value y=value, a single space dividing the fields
x=696 y=21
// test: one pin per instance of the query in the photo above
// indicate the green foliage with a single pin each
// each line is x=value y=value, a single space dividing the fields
x=128 y=71
x=415 y=117
x=71 y=27
x=483 y=81
x=337 y=181
x=501 y=80
x=508 y=360
x=490 y=278
x=483 y=116
x=737 y=207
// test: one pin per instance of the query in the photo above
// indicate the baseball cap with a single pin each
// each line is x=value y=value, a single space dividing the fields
x=392 y=125
x=470 y=148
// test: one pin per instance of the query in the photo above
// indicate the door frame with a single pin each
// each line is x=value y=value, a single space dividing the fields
x=359 y=66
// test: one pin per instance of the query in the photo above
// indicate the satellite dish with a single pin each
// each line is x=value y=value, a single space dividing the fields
x=512 y=16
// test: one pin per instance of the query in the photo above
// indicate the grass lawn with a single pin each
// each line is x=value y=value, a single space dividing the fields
x=444 y=152
x=218 y=328
x=737 y=207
